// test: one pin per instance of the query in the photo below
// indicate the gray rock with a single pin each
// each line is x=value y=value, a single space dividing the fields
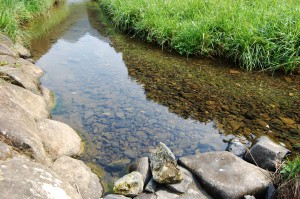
x=115 y=196
x=21 y=79
x=164 y=165
x=129 y=185
x=165 y=194
x=17 y=126
x=22 y=51
x=22 y=178
x=48 y=96
x=143 y=167
x=237 y=148
x=54 y=134
x=266 y=154
x=224 y=175
x=5 y=50
x=151 y=186
x=249 y=197
x=146 y=196
x=79 y=175
x=181 y=187
x=271 y=193
x=5 y=151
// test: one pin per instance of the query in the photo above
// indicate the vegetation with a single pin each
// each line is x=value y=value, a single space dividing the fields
x=16 y=13
x=288 y=179
x=254 y=34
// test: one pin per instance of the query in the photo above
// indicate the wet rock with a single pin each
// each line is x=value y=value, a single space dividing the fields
x=129 y=185
x=146 y=196
x=22 y=51
x=143 y=167
x=23 y=178
x=5 y=151
x=5 y=50
x=224 y=175
x=237 y=148
x=115 y=196
x=164 y=165
x=79 y=175
x=54 y=134
x=182 y=186
x=266 y=154
x=151 y=186
x=18 y=126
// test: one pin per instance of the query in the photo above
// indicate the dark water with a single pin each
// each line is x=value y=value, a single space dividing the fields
x=96 y=95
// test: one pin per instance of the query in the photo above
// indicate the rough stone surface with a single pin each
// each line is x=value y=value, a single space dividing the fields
x=115 y=196
x=181 y=187
x=17 y=125
x=237 y=148
x=48 y=96
x=22 y=178
x=151 y=186
x=33 y=104
x=224 y=175
x=6 y=40
x=129 y=185
x=22 y=51
x=21 y=79
x=5 y=50
x=266 y=154
x=164 y=165
x=59 y=139
x=25 y=66
x=146 y=196
x=5 y=151
x=79 y=176
x=143 y=167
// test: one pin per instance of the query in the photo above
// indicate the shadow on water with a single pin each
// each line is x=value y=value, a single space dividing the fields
x=127 y=98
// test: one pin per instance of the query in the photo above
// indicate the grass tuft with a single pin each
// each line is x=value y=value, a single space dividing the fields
x=255 y=34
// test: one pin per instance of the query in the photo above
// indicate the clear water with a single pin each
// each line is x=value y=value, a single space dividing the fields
x=95 y=95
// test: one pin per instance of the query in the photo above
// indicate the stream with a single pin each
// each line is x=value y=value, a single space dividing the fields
x=125 y=96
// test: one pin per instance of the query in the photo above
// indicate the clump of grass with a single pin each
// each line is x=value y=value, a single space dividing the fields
x=255 y=34
x=16 y=13
x=288 y=179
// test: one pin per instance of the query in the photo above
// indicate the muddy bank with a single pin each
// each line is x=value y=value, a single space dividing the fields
x=35 y=149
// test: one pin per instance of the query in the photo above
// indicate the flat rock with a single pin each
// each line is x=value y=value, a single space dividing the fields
x=115 y=196
x=5 y=50
x=59 y=139
x=22 y=178
x=224 y=175
x=17 y=126
x=266 y=154
x=237 y=148
x=21 y=79
x=34 y=105
x=164 y=165
x=143 y=167
x=129 y=185
x=6 y=151
x=24 y=65
x=79 y=175
x=181 y=187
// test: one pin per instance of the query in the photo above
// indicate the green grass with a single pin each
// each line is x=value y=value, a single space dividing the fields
x=14 y=14
x=255 y=34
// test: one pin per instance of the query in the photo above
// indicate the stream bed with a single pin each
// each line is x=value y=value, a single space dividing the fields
x=125 y=96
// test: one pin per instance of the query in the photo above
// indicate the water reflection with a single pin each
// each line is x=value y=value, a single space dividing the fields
x=95 y=93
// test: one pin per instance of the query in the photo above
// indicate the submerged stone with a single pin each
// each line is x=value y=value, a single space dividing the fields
x=164 y=165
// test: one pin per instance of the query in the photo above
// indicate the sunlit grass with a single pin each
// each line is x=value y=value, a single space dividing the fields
x=254 y=34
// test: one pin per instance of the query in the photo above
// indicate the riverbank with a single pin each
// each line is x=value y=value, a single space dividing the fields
x=254 y=35
x=34 y=148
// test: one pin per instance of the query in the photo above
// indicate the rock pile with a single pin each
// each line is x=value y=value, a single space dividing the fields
x=35 y=151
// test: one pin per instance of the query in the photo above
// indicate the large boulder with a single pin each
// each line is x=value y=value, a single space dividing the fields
x=17 y=126
x=266 y=154
x=164 y=165
x=224 y=175
x=79 y=175
x=22 y=178
x=130 y=185
x=59 y=139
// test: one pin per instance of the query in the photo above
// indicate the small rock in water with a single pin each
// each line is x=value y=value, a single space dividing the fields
x=237 y=148
x=143 y=167
x=129 y=185
x=164 y=165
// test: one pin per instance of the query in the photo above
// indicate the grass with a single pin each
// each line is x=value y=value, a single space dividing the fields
x=252 y=33
x=15 y=14
x=289 y=179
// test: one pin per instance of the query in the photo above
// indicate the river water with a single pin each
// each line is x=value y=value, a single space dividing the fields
x=125 y=97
